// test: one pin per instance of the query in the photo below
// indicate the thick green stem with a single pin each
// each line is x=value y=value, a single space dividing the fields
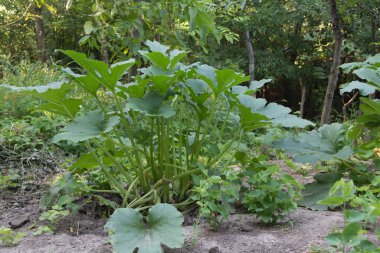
x=130 y=135
x=224 y=124
x=131 y=187
x=198 y=143
x=122 y=169
x=102 y=191
x=216 y=159
x=104 y=169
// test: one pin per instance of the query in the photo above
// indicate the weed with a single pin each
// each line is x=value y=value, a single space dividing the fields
x=9 y=238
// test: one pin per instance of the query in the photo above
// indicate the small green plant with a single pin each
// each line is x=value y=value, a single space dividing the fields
x=9 y=238
x=270 y=194
x=52 y=217
x=366 y=211
x=7 y=181
x=216 y=196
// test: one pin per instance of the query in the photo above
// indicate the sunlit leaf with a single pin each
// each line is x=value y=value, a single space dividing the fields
x=364 y=88
x=108 y=76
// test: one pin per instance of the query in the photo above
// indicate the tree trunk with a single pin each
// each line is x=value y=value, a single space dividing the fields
x=251 y=56
x=135 y=34
x=40 y=33
x=374 y=29
x=303 y=98
x=334 y=72
x=104 y=55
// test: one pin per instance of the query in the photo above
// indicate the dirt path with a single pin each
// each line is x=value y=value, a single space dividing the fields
x=240 y=234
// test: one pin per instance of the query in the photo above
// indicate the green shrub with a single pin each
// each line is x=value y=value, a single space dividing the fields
x=269 y=194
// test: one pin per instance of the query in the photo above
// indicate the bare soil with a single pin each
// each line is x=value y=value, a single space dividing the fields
x=239 y=234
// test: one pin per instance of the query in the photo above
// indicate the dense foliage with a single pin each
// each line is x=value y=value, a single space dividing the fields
x=153 y=108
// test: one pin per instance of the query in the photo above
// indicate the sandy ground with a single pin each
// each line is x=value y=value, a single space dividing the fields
x=240 y=234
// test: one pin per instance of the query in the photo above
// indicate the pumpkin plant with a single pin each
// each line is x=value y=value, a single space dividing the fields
x=154 y=137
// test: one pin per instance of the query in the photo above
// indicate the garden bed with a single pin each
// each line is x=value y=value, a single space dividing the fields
x=84 y=232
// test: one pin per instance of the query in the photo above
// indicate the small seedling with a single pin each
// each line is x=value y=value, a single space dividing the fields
x=52 y=216
x=9 y=238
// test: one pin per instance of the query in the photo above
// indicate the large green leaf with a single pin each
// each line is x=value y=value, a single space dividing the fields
x=175 y=57
x=108 y=76
x=226 y=79
x=220 y=80
x=161 y=58
x=371 y=112
x=163 y=82
x=277 y=114
x=371 y=75
x=318 y=190
x=158 y=59
x=155 y=46
x=370 y=62
x=364 y=88
x=55 y=95
x=258 y=84
x=38 y=88
x=135 y=89
x=250 y=120
x=91 y=125
x=351 y=234
x=152 y=104
x=326 y=144
x=129 y=231
x=198 y=90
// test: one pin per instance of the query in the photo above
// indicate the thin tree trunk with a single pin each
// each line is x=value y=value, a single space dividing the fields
x=104 y=55
x=135 y=34
x=40 y=33
x=251 y=55
x=334 y=72
x=374 y=29
x=303 y=98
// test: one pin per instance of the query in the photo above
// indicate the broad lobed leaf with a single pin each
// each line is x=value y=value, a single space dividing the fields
x=88 y=126
x=129 y=231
